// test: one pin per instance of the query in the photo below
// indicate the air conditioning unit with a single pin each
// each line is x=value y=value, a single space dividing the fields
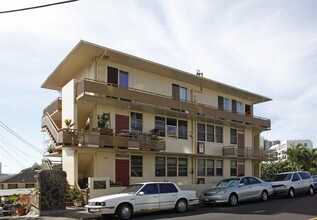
x=200 y=147
x=200 y=180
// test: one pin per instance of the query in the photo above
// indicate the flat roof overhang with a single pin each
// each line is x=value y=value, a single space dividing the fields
x=84 y=52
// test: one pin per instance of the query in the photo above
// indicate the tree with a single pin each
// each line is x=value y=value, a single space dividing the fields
x=272 y=167
x=295 y=156
x=33 y=168
x=309 y=159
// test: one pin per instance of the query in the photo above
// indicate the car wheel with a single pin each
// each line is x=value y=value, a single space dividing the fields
x=181 y=206
x=233 y=199
x=124 y=212
x=291 y=193
x=264 y=196
x=311 y=190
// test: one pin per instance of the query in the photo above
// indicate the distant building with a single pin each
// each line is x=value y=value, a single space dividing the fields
x=282 y=147
x=20 y=180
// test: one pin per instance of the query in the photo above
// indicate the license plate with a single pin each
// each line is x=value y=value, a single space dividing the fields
x=93 y=210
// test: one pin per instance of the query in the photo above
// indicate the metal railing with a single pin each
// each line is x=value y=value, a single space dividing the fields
x=249 y=153
x=102 y=89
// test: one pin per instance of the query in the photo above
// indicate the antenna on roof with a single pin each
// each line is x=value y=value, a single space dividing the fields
x=199 y=73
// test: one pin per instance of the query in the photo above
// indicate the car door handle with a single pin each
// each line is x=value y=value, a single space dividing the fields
x=155 y=197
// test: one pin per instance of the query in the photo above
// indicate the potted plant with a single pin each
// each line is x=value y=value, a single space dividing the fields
x=76 y=196
x=21 y=203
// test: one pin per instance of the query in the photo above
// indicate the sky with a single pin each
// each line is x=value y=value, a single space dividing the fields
x=268 y=47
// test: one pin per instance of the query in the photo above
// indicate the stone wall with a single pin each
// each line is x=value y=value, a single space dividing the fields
x=52 y=190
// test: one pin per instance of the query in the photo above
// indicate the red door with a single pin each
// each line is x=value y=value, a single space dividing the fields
x=122 y=172
x=241 y=144
x=122 y=123
x=241 y=169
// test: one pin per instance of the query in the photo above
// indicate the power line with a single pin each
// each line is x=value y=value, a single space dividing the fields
x=35 y=7
x=19 y=137
x=11 y=156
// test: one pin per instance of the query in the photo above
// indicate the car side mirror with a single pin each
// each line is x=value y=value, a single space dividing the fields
x=141 y=193
x=241 y=184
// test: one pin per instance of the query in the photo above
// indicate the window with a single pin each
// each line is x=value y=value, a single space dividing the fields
x=171 y=166
x=304 y=175
x=210 y=167
x=220 y=102
x=233 y=136
x=295 y=177
x=182 y=129
x=136 y=122
x=118 y=77
x=233 y=168
x=219 y=167
x=253 y=180
x=239 y=107
x=219 y=134
x=160 y=125
x=205 y=167
x=174 y=128
x=226 y=104
x=179 y=93
x=210 y=133
x=29 y=185
x=200 y=132
x=123 y=79
x=150 y=189
x=159 y=166
x=167 y=188
x=12 y=186
x=171 y=127
x=182 y=166
x=174 y=166
x=136 y=166
x=201 y=167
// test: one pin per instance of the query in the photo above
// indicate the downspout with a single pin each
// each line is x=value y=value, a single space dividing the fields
x=194 y=138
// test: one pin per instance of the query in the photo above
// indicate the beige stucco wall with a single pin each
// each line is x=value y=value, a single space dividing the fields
x=68 y=103
x=70 y=165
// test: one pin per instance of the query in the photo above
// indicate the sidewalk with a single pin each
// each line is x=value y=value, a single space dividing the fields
x=69 y=214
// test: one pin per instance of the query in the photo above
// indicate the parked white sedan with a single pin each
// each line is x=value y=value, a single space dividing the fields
x=142 y=197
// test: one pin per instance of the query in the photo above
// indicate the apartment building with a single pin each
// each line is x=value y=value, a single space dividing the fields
x=281 y=148
x=133 y=120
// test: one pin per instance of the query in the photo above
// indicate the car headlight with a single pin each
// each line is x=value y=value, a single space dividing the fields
x=100 y=203
x=221 y=192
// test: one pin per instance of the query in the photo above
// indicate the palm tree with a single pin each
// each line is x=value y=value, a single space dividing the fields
x=309 y=158
x=295 y=156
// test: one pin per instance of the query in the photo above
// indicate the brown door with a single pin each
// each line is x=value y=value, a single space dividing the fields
x=122 y=172
x=241 y=168
x=122 y=123
x=241 y=144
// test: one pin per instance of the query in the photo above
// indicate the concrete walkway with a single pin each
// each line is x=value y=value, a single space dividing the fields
x=69 y=214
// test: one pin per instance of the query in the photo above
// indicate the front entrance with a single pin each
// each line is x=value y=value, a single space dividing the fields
x=241 y=168
x=241 y=143
x=122 y=123
x=122 y=172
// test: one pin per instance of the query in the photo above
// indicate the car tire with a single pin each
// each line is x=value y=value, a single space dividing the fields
x=181 y=206
x=311 y=190
x=264 y=196
x=233 y=199
x=291 y=193
x=124 y=212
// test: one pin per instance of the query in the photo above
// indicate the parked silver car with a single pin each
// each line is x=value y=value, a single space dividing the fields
x=237 y=189
x=291 y=183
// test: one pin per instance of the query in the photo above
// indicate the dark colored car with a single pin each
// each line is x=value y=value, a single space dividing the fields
x=8 y=210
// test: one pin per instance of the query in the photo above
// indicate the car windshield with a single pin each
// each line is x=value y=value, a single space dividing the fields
x=281 y=177
x=132 y=189
x=228 y=183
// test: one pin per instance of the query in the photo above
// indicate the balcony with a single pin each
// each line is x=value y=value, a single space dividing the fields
x=249 y=153
x=91 y=88
x=73 y=137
